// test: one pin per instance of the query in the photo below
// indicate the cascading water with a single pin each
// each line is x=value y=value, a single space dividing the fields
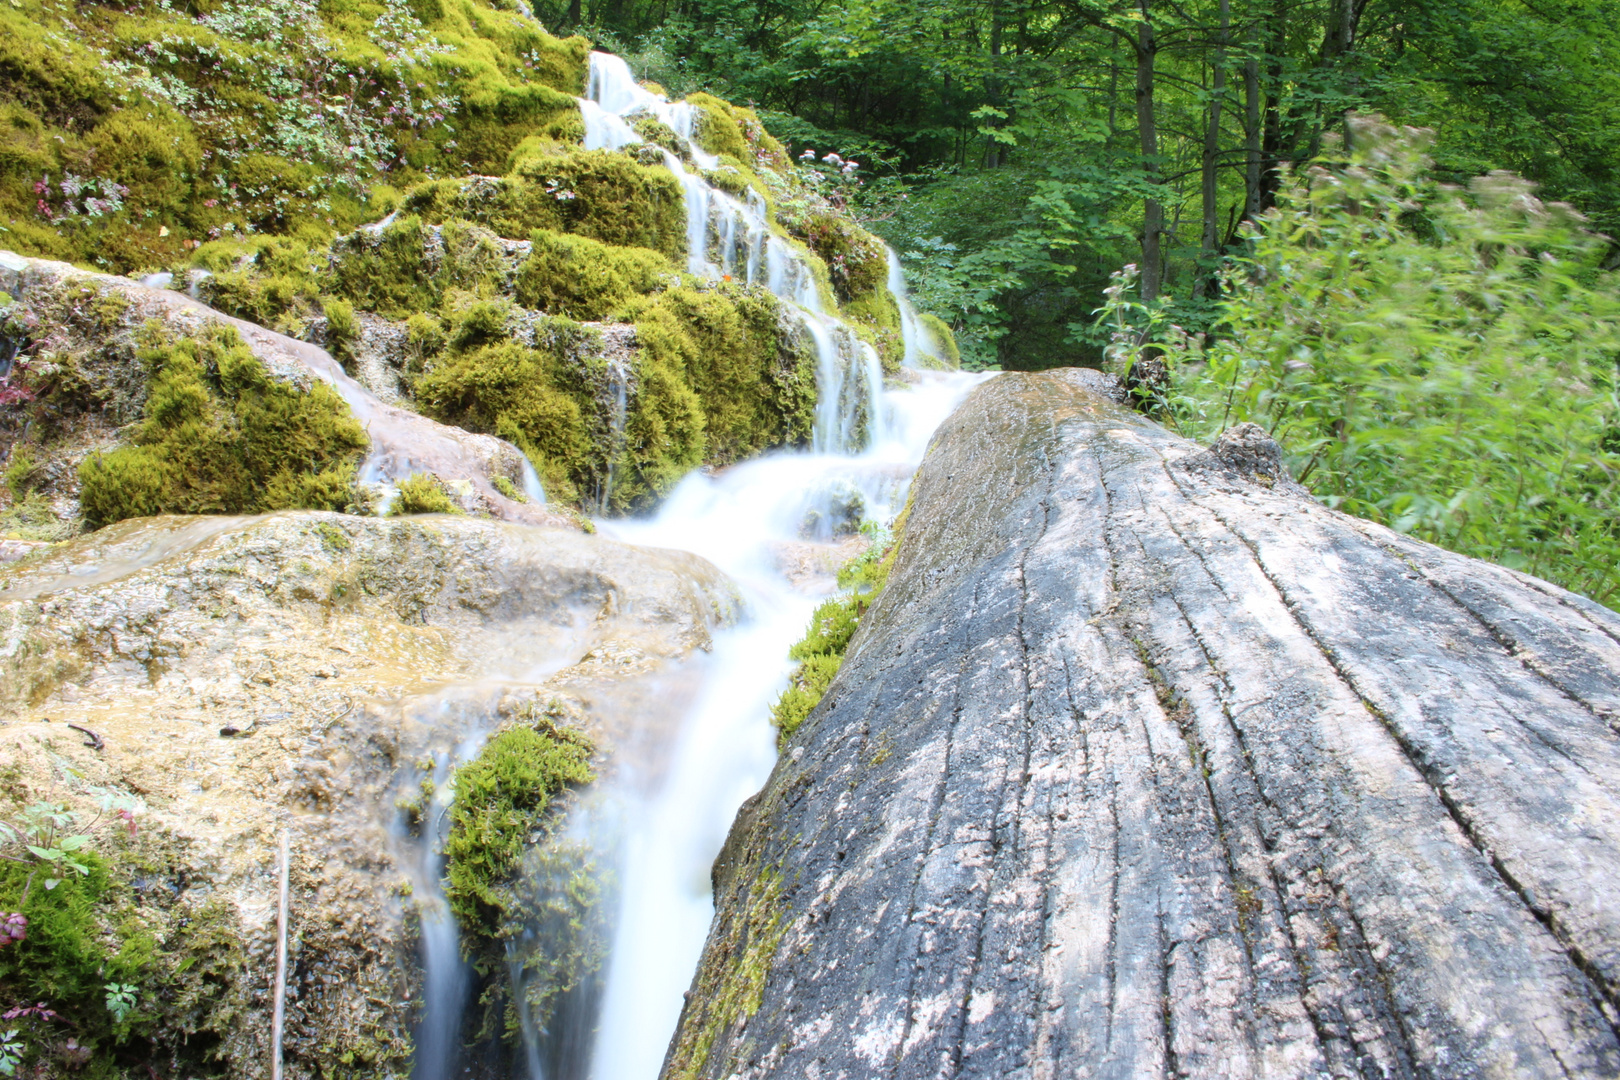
x=743 y=521
x=918 y=341
x=661 y=815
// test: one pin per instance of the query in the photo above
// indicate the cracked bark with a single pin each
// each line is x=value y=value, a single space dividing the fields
x=1190 y=776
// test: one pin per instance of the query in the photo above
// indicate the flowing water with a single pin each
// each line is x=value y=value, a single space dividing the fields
x=660 y=816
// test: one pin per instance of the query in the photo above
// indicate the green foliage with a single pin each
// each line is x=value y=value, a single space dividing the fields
x=831 y=627
x=220 y=435
x=580 y=278
x=421 y=493
x=501 y=796
x=1440 y=360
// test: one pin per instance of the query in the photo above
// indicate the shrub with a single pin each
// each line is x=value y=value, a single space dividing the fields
x=1439 y=360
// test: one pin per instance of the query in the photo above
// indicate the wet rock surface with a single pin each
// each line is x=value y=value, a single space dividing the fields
x=1145 y=765
x=250 y=675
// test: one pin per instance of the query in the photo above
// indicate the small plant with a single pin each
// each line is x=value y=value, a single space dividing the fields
x=51 y=837
x=11 y=1051
x=120 y=1000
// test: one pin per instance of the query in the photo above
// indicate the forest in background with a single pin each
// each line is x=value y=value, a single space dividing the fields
x=1018 y=152
x=1382 y=229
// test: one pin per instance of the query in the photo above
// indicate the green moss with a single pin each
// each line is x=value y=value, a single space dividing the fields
x=422 y=493
x=506 y=389
x=32 y=517
x=342 y=328
x=580 y=278
x=507 y=488
x=500 y=797
x=735 y=349
x=660 y=134
x=594 y=193
x=717 y=129
x=21 y=471
x=220 y=435
x=821 y=651
x=383 y=270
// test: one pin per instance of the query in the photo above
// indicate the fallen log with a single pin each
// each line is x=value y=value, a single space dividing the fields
x=1146 y=764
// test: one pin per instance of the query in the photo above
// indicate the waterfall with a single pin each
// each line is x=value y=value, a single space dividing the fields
x=532 y=488
x=446 y=977
x=740 y=520
x=918 y=341
x=660 y=815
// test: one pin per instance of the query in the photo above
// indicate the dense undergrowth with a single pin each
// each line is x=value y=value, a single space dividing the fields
x=1445 y=361
x=103 y=970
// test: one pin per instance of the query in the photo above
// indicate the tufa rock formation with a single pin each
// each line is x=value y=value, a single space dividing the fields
x=304 y=672
x=1145 y=765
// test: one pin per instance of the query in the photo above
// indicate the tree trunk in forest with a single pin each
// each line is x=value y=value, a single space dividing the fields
x=1251 y=137
x=1271 y=149
x=1147 y=48
x=1211 y=240
x=1145 y=764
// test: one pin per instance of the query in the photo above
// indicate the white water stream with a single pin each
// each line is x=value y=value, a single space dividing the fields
x=662 y=827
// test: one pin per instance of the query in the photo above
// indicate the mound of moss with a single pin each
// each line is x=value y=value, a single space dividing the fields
x=128 y=136
x=221 y=435
x=501 y=797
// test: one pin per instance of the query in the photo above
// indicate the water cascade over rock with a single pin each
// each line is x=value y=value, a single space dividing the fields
x=730 y=237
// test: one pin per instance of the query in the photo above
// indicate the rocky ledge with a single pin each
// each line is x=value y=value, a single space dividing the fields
x=1145 y=764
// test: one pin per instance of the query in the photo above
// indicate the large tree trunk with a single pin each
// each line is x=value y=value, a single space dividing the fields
x=1147 y=765
x=1147 y=49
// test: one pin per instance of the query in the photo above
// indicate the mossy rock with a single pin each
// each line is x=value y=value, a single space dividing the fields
x=581 y=278
x=501 y=796
x=660 y=134
x=717 y=129
x=599 y=194
x=742 y=356
x=407 y=267
x=221 y=435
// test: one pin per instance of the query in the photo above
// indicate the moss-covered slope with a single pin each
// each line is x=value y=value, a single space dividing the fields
x=405 y=184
